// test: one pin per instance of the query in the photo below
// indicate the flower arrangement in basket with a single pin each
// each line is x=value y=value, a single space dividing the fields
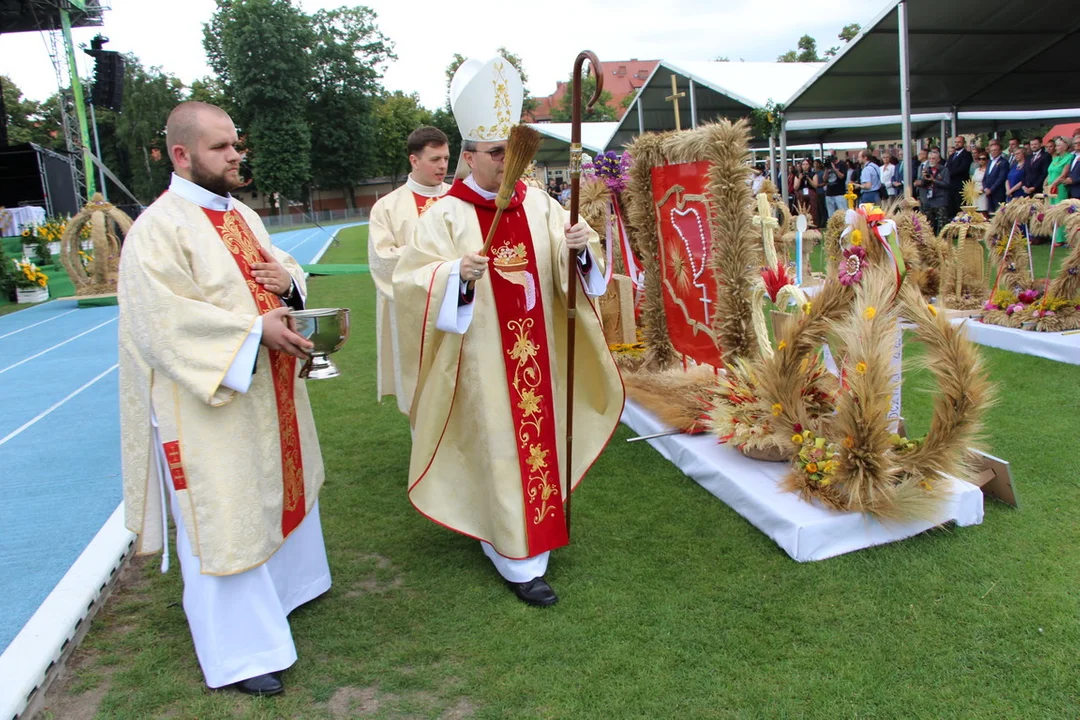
x=31 y=285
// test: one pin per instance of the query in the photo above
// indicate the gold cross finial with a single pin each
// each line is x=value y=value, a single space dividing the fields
x=674 y=98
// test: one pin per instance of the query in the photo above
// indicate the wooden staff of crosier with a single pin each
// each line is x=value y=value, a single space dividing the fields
x=572 y=283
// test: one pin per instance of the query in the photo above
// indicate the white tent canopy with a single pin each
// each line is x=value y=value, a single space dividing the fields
x=712 y=90
x=556 y=148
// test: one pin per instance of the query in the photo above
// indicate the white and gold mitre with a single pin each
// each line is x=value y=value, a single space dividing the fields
x=486 y=99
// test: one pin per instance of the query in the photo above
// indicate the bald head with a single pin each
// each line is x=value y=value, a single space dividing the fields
x=186 y=119
x=202 y=141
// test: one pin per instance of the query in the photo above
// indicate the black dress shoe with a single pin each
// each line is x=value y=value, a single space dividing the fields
x=535 y=592
x=268 y=684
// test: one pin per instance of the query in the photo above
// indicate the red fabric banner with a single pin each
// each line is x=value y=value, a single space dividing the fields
x=526 y=359
x=244 y=247
x=682 y=204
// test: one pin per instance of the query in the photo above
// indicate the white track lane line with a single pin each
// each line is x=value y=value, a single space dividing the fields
x=85 y=332
x=42 y=322
x=300 y=242
x=17 y=431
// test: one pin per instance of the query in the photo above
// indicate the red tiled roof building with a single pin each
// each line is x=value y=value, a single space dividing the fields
x=621 y=78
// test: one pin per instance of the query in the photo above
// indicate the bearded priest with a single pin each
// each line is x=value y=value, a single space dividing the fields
x=490 y=337
x=213 y=414
x=393 y=218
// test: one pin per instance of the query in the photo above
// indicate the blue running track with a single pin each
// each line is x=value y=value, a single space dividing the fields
x=60 y=438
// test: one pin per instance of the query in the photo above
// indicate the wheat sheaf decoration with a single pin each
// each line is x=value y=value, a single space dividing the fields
x=1059 y=307
x=835 y=431
x=94 y=272
x=964 y=283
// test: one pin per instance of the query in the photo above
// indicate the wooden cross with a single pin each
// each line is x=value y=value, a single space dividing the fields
x=674 y=98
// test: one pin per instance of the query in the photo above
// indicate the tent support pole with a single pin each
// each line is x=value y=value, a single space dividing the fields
x=772 y=157
x=905 y=93
x=783 y=159
x=693 y=104
x=640 y=113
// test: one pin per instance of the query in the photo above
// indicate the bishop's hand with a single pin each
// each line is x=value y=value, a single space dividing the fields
x=473 y=266
x=577 y=237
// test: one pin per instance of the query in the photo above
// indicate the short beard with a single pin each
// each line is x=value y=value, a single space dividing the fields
x=217 y=184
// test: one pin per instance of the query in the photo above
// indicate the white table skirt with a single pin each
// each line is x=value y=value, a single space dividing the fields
x=1052 y=346
x=14 y=220
x=806 y=531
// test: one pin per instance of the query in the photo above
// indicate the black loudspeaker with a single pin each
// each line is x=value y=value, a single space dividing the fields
x=108 y=89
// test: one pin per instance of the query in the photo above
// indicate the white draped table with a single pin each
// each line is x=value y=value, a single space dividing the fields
x=14 y=220
x=806 y=531
x=1052 y=346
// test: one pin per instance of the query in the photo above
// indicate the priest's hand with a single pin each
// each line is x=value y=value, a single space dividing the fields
x=577 y=237
x=473 y=266
x=271 y=273
x=278 y=334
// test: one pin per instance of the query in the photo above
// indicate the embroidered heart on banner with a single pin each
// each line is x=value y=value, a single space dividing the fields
x=688 y=225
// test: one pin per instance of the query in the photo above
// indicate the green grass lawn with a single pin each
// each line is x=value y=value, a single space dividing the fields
x=672 y=606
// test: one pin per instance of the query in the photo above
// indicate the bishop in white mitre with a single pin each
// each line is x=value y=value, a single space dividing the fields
x=213 y=415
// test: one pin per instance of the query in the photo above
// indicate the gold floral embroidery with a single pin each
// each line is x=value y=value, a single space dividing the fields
x=502 y=106
x=530 y=403
x=536 y=459
x=540 y=485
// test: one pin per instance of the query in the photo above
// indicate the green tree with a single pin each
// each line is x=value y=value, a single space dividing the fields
x=260 y=49
x=211 y=90
x=806 y=51
x=138 y=142
x=31 y=121
x=602 y=111
x=348 y=56
x=847 y=34
x=397 y=115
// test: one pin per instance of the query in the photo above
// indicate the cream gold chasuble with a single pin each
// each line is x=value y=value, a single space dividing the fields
x=488 y=413
x=247 y=467
x=393 y=219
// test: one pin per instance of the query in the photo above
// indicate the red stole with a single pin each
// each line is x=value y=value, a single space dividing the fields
x=244 y=246
x=423 y=202
x=526 y=364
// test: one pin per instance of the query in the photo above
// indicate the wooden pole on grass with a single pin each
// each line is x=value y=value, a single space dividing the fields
x=572 y=269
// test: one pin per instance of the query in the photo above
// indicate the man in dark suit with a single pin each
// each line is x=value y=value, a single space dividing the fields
x=958 y=164
x=1072 y=180
x=1038 y=166
x=997 y=172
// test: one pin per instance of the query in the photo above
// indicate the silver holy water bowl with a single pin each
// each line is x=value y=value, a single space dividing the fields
x=328 y=329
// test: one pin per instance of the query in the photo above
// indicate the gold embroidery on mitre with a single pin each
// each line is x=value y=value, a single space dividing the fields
x=502 y=105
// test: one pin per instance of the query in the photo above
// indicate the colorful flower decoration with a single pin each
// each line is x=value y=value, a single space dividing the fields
x=851 y=270
x=818 y=459
x=613 y=169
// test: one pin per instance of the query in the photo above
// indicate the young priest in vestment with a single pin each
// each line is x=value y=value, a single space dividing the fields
x=393 y=218
x=213 y=414
x=490 y=337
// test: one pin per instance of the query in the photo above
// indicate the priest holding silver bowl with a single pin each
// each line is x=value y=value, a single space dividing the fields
x=327 y=329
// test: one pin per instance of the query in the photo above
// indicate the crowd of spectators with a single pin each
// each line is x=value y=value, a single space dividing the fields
x=1000 y=174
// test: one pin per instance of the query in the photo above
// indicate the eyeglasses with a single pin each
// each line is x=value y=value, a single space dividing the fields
x=496 y=154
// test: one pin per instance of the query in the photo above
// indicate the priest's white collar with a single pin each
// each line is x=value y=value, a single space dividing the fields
x=424 y=190
x=199 y=195
x=486 y=194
